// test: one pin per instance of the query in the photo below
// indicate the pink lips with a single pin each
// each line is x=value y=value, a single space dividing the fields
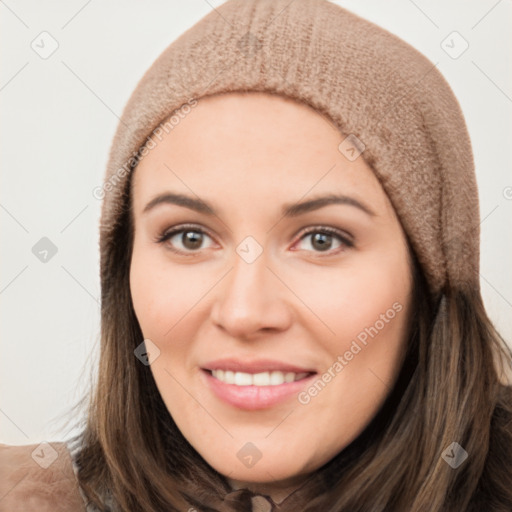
x=254 y=397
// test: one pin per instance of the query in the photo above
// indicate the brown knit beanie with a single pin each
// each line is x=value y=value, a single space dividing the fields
x=391 y=104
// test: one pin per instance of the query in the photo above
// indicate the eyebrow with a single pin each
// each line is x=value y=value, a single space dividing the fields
x=288 y=209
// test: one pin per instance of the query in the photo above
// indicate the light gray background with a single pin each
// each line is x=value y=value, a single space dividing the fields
x=58 y=118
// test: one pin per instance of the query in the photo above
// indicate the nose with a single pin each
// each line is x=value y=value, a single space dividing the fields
x=250 y=300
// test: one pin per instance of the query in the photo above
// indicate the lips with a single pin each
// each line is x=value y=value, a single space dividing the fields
x=254 y=385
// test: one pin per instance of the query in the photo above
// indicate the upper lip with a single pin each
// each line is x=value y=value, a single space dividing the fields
x=255 y=366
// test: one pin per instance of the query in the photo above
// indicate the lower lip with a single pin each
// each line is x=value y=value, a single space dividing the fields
x=254 y=397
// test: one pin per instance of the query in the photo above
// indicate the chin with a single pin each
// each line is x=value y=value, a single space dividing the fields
x=269 y=469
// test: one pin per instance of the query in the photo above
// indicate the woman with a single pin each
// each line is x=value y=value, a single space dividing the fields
x=291 y=311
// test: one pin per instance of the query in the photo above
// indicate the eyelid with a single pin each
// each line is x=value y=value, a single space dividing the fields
x=187 y=226
x=318 y=228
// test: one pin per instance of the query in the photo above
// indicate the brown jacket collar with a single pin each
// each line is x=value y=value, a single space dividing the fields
x=38 y=477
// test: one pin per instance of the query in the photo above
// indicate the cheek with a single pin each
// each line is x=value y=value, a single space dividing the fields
x=348 y=300
x=367 y=307
x=162 y=296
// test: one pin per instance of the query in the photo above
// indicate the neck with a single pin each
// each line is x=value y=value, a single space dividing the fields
x=278 y=491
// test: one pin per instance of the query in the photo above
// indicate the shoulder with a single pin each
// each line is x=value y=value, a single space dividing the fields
x=38 y=477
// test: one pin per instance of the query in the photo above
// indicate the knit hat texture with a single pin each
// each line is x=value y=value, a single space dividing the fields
x=390 y=103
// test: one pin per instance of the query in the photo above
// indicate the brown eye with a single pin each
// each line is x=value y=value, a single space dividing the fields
x=191 y=239
x=184 y=240
x=321 y=241
x=325 y=239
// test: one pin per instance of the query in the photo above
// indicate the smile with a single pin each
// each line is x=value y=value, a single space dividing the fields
x=274 y=378
x=255 y=391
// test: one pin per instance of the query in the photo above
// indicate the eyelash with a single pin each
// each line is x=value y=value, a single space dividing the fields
x=326 y=230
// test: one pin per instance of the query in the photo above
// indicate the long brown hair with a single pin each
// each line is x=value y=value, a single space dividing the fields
x=132 y=457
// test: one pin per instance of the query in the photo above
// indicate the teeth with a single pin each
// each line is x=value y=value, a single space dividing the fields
x=276 y=378
x=257 y=379
x=243 y=379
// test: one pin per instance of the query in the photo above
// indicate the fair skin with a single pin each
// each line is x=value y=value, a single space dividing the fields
x=303 y=301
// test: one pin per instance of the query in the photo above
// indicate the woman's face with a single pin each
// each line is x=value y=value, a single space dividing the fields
x=279 y=318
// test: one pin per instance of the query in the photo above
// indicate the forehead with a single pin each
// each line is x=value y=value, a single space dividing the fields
x=256 y=145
